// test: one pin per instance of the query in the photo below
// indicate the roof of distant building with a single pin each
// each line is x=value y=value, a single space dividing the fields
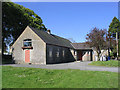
x=81 y=46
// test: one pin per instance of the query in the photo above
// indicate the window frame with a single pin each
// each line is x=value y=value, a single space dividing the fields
x=29 y=46
x=27 y=41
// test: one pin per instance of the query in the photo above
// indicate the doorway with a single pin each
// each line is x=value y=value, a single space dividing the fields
x=80 y=55
x=27 y=56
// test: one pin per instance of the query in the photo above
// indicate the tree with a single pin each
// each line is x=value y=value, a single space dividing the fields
x=15 y=18
x=114 y=30
x=110 y=42
x=114 y=26
x=96 y=39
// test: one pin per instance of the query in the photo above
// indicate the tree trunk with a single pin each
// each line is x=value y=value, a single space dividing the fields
x=98 y=55
x=2 y=46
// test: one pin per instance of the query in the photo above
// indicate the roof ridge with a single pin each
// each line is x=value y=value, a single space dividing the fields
x=51 y=38
x=47 y=33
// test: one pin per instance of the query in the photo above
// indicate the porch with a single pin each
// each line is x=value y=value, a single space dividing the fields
x=83 y=52
x=84 y=55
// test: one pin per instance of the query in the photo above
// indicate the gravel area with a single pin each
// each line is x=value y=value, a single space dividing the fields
x=72 y=65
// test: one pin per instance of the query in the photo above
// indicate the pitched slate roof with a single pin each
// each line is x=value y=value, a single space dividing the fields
x=52 y=39
x=81 y=46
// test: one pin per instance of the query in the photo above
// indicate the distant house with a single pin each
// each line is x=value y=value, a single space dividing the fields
x=40 y=47
x=83 y=51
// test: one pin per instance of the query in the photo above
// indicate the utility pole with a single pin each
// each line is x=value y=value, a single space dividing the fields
x=117 y=30
x=117 y=43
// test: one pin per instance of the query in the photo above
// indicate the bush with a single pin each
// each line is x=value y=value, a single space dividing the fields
x=7 y=59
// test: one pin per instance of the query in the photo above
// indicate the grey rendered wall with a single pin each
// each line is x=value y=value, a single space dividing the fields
x=103 y=52
x=86 y=56
x=37 y=54
x=53 y=57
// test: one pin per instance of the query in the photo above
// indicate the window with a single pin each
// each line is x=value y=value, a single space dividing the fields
x=50 y=52
x=27 y=43
x=63 y=53
x=58 y=53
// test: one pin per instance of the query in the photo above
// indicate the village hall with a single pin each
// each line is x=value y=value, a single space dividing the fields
x=35 y=46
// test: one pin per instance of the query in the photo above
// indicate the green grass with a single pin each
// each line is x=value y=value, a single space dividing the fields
x=21 y=77
x=110 y=63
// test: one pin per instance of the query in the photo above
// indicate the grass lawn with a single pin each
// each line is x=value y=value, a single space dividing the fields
x=110 y=63
x=23 y=77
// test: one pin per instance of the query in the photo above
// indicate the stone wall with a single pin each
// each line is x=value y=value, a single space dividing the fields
x=37 y=54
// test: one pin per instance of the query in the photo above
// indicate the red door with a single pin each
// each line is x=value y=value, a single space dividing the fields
x=80 y=55
x=27 y=56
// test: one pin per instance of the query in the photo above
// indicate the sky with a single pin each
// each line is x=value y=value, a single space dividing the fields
x=74 y=19
x=64 y=0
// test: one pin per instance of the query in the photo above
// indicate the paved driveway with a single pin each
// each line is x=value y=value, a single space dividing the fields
x=72 y=65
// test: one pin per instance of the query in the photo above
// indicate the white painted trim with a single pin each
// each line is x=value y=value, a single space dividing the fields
x=30 y=56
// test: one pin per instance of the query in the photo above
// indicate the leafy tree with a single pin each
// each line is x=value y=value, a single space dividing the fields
x=96 y=39
x=15 y=18
x=113 y=28
x=110 y=42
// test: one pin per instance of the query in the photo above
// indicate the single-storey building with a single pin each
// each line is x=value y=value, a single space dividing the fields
x=83 y=51
x=41 y=47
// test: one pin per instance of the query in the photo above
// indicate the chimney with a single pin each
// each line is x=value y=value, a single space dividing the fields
x=48 y=31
